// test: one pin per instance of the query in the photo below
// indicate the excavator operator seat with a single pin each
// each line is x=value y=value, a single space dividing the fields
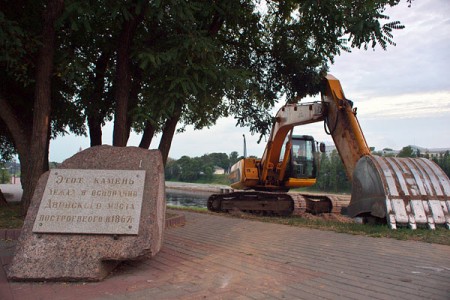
x=303 y=164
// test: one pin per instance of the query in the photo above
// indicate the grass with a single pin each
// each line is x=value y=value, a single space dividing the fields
x=192 y=209
x=439 y=236
x=10 y=216
x=221 y=179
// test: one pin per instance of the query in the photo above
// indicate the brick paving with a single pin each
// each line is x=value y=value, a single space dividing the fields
x=214 y=257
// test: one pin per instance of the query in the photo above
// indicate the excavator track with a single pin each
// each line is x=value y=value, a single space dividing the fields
x=273 y=203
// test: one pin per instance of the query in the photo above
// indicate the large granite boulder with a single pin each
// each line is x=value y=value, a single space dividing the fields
x=76 y=249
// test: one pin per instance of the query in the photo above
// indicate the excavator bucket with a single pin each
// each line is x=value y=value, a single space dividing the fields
x=405 y=191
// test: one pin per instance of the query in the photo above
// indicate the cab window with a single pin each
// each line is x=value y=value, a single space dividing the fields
x=303 y=159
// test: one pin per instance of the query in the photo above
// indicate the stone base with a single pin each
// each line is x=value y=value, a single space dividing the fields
x=91 y=257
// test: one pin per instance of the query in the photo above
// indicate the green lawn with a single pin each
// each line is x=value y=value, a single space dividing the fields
x=10 y=216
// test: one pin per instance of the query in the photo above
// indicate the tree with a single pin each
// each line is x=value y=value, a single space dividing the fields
x=332 y=176
x=4 y=174
x=407 y=151
x=7 y=149
x=192 y=169
x=233 y=158
x=33 y=148
x=123 y=83
x=217 y=159
x=443 y=160
x=159 y=65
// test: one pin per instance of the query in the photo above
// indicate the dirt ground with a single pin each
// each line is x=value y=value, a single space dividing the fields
x=328 y=217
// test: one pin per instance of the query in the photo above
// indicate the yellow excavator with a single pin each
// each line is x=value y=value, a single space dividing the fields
x=403 y=191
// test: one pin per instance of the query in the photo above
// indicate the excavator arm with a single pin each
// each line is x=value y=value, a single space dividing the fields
x=343 y=126
x=405 y=191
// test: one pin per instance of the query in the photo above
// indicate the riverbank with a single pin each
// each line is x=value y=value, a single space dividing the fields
x=200 y=187
x=13 y=192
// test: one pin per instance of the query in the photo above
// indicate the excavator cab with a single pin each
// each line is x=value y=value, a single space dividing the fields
x=303 y=162
x=303 y=165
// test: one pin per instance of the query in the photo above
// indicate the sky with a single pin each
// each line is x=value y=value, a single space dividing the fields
x=402 y=94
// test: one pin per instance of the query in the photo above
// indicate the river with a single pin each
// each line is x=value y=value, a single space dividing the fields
x=186 y=198
x=177 y=193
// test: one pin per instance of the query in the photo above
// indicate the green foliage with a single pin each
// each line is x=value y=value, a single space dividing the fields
x=199 y=169
x=10 y=216
x=234 y=158
x=6 y=147
x=220 y=179
x=332 y=176
x=443 y=160
x=438 y=236
x=407 y=152
x=4 y=174
x=20 y=41
x=208 y=59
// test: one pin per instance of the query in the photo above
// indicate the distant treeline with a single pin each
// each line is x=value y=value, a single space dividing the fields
x=332 y=177
x=443 y=160
x=201 y=168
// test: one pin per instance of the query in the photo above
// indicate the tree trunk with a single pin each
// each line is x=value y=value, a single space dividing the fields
x=123 y=80
x=3 y=201
x=122 y=86
x=38 y=157
x=147 y=137
x=134 y=97
x=168 y=132
x=16 y=127
x=95 y=130
x=21 y=134
x=95 y=111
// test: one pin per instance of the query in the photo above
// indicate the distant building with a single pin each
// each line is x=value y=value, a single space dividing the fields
x=219 y=170
x=431 y=152
x=15 y=180
x=329 y=149
x=424 y=152
x=389 y=152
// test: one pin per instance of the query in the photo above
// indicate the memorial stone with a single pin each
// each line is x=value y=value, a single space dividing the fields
x=101 y=206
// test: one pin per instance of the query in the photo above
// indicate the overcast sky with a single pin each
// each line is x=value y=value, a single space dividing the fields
x=402 y=94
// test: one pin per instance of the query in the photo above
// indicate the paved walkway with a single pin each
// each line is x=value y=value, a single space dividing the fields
x=215 y=257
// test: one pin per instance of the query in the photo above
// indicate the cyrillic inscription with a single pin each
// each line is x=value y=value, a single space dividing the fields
x=91 y=201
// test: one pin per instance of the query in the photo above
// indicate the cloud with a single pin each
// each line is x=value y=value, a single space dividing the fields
x=417 y=64
x=426 y=105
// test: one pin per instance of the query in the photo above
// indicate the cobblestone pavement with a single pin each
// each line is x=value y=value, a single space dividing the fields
x=215 y=257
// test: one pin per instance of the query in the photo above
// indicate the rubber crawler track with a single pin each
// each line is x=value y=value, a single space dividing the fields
x=270 y=203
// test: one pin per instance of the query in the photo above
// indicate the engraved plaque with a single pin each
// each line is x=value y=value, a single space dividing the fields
x=91 y=202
